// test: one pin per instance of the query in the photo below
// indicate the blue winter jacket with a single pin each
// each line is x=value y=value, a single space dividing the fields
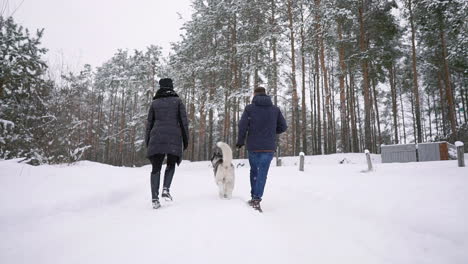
x=260 y=123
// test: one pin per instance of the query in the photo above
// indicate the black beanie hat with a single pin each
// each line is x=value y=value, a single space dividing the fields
x=166 y=83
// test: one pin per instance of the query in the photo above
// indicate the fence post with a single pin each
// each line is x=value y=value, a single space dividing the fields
x=278 y=160
x=460 y=153
x=369 y=161
x=301 y=161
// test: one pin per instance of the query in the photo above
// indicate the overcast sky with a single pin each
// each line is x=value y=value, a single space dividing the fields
x=91 y=31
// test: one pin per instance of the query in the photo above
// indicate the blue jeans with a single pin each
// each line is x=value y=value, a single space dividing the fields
x=259 y=165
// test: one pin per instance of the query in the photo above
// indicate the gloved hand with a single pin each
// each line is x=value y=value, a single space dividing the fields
x=185 y=145
x=239 y=146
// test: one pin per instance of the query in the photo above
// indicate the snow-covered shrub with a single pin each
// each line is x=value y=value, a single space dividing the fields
x=460 y=135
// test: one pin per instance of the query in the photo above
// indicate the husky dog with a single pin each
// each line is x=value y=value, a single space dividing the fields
x=223 y=170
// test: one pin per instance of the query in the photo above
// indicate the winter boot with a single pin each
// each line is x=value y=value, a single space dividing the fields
x=256 y=205
x=156 y=204
x=166 y=195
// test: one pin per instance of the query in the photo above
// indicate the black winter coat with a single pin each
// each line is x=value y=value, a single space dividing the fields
x=167 y=126
x=260 y=123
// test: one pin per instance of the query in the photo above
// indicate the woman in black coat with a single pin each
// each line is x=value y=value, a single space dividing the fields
x=166 y=134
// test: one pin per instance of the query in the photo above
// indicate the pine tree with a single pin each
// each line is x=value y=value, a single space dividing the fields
x=24 y=95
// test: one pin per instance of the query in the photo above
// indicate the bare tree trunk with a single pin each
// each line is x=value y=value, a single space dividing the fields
x=289 y=146
x=448 y=83
x=435 y=113
x=133 y=147
x=192 y=119
x=99 y=128
x=442 y=103
x=91 y=135
x=403 y=115
x=379 y=141
x=317 y=94
x=235 y=114
x=238 y=116
x=365 y=72
x=274 y=50
x=359 y=122
x=462 y=95
x=304 y=120
x=247 y=98
x=202 y=129
x=343 y=116
x=211 y=101
x=122 y=129
x=413 y=116
x=110 y=130
x=274 y=76
x=312 y=111
x=429 y=112
x=332 y=109
x=233 y=82
x=210 y=115
x=415 y=77
x=298 y=129
x=327 y=94
x=465 y=102
x=78 y=141
x=354 y=130
x=227 y=107
x=394 y=102
x=295 y=105
x=373 y=128
x=348 y=111
x=325 y=123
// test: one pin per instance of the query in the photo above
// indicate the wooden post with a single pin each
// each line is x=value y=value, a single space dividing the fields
x=369 y=161
x=301 y=161
x=278 y=160
x=460 y=153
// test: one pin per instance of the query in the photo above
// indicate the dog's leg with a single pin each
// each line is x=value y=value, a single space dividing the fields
x=229 y=183
x=226 y=191
x=229 y=187
x=221 y=189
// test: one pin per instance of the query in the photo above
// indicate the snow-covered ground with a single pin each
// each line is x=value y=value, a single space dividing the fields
x=411 y=213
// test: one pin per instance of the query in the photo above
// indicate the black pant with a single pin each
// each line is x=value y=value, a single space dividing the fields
x=157 y=161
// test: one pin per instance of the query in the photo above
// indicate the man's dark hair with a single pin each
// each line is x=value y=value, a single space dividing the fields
x=259 y=90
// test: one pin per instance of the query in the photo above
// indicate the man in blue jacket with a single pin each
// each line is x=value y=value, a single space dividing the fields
x=260 y=123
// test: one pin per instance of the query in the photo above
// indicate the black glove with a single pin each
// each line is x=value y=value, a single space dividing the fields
x=185 y=145
x=239 y=146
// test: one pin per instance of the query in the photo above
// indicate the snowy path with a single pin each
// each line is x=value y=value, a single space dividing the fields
x=332 y=213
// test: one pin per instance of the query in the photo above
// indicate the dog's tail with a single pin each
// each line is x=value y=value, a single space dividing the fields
x=227 y=153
